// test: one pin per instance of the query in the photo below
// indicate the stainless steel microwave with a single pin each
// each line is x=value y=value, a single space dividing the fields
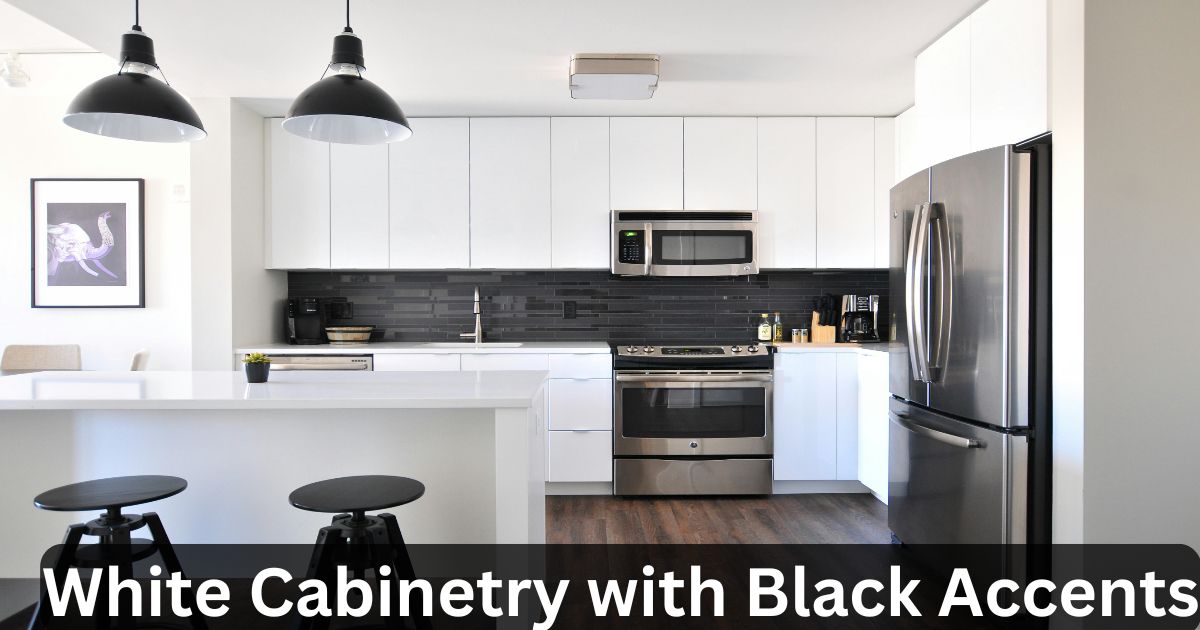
x=684 y=242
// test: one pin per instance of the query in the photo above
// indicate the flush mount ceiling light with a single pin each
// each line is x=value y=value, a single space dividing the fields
x=612 y=76
x=343 y=106
x=136 y=103
x=12 y=73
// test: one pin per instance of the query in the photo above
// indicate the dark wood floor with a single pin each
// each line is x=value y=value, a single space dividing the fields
x=787 y=519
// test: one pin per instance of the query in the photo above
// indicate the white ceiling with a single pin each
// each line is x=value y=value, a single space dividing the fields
x=20 y=31
x=510 y=57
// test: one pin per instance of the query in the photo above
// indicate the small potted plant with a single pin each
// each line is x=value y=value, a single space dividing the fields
x=258 y=367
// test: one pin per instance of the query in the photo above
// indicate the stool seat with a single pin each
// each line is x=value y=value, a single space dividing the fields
x=363 y=493
x=113 y=492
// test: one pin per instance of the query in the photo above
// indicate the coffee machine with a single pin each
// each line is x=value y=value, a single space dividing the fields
x=304 y=321
x=860 y=318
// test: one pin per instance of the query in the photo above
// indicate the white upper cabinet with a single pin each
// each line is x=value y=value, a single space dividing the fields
x=430 y=196
x=845 y=193
x=907 y=137
x=1008 y=72
x=297 y=200
x=787 y=192
x=720 y=163
x=943 y=90
x=510 y=193
x=885 y=173
x=646 y=163
x=358 y=206
x=579 y=193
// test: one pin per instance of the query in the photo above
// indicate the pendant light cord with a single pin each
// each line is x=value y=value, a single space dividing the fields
x=348 y=29
x=137 y=15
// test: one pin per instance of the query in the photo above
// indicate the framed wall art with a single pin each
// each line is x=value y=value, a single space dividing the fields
x=88 y=243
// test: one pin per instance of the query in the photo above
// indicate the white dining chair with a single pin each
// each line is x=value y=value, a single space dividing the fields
x=41 y=357
x=140 y=359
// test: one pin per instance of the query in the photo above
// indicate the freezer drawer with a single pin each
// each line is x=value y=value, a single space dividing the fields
x=954 y=483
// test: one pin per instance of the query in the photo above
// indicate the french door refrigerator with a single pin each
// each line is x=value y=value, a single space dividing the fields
x=969 y=431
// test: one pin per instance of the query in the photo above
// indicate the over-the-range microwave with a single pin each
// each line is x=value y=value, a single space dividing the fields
x=684 y=242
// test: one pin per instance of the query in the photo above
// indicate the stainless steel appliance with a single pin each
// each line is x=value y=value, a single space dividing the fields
x=327 y=362
x=692 y=420
x=860 y=318
x=684 y=243
x=969 y=372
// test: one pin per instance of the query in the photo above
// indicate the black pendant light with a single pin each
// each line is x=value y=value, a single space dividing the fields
x=344 y=107
x=135 y=103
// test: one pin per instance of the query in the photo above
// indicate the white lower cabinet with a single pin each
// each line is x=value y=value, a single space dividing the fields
x=416 y=363
x=501 y=361
x=580 y=404
x=873 y=422
x=579 y=456
x=846 y=392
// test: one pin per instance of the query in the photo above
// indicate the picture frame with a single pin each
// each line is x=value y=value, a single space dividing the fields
x=87 y=243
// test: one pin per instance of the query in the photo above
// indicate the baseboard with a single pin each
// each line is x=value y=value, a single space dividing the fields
x=580 y=488
x=819 y=487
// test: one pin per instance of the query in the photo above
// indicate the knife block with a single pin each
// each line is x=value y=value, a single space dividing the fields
x=822 y=334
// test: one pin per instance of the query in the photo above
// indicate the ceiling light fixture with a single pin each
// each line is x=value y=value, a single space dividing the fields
x=136 y=103
x=12 y=72
x=614 y=76
x=343 y=106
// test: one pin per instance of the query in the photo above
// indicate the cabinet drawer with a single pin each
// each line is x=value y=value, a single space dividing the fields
x=501 y=362
x=579 y=456
x=580 y=405
x=581 y=366
x=416 y=363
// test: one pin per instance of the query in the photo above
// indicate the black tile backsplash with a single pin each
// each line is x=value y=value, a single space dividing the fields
x=532 y=305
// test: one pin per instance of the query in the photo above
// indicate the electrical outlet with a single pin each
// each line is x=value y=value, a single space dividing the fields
x=569 y=310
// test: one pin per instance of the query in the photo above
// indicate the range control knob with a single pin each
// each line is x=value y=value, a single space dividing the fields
x=694 y=445
x=736 y=349
x=648 y=349
x=752 y=348
x=631 y=349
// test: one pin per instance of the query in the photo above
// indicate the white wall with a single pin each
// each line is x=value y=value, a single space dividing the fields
x=35 y=143
x=1141 y=219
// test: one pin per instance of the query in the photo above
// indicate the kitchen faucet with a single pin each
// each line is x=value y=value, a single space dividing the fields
x=478 y=334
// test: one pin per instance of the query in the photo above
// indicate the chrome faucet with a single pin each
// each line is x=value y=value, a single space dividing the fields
x=478 y=334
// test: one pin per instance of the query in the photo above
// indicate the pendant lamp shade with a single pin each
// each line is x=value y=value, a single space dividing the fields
x=133 y=104
x=344 y=107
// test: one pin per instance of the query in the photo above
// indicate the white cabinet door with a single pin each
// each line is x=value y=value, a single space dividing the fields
x=500 y=362
x=787 y=192
x=416 y=362
x=297 y=228
x=581 y=366
x=885 y=172
x=510 y=193
x=358 y=206
x=873 y=422
x=845 y=193
x=579 y=456
x=1008 y=72
x=646 y=163
x=581 y=404
x=431 y=196
x=847 y=416
x=720 y=163
x=943 y=91
x=908 y=140
x=579 y=193
x=806 y=428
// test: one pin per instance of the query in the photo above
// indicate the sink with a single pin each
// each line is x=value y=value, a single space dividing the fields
x=470 y=344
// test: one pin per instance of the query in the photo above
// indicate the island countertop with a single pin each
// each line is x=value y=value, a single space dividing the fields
x=183 y=390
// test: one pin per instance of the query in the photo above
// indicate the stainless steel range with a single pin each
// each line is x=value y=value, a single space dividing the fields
x=692 y=420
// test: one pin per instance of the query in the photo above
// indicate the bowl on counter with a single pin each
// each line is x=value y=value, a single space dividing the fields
x=349 y=334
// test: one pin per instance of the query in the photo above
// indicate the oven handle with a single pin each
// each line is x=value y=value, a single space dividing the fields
x=648 y=250
x=694 y=378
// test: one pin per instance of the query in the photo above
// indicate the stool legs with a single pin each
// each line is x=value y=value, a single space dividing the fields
x=162 y=543
x=63 y=557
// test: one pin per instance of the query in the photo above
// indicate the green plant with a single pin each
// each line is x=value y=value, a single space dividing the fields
x=256 y=357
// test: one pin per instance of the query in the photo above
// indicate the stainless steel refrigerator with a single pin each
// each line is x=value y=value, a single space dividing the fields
x=970 y=409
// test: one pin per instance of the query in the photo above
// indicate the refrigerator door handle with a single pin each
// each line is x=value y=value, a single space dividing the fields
x=940 y=342
x=903 y=421
x=914 y=281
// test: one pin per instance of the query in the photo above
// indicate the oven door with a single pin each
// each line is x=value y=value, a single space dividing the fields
x=702 y=413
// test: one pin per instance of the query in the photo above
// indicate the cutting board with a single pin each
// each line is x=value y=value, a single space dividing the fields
x=822 y=334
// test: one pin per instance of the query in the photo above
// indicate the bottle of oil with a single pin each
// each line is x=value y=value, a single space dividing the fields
x=765 y=332
x=778 y=330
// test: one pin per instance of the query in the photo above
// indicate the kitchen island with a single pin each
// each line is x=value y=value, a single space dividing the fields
x=475 y=439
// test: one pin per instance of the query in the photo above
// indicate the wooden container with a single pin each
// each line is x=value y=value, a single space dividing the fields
x=822 y=334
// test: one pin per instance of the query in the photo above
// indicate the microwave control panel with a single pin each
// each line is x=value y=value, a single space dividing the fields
x=631 y=247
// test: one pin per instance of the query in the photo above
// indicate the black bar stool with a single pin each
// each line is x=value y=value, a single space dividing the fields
x=360 y=542
x=113 y=528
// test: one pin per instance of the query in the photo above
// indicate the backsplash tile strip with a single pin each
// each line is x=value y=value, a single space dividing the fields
x=528 y=305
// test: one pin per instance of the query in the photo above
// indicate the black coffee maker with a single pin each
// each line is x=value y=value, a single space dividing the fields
x=860 y=318
x=304 y=321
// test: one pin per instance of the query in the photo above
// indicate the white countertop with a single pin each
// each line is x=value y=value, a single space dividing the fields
x=285 y=390
x=415 y=347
